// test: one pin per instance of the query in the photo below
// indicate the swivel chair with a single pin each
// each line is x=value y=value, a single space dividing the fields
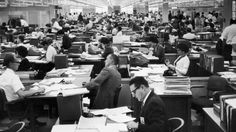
x=175 y=124
x=16 y=127
x=15 y=109
x=216 y=86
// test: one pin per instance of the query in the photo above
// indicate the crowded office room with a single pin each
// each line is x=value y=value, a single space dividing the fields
x=117 y=65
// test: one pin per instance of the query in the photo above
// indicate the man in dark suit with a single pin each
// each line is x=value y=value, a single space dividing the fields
x=107 y=83
x=153 y=116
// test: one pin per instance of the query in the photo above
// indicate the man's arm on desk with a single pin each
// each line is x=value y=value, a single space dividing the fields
x=30 y=92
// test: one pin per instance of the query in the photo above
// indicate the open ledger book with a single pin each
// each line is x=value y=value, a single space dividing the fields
x=115 y=114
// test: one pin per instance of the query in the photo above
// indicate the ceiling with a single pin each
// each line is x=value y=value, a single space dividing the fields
x=124 y=3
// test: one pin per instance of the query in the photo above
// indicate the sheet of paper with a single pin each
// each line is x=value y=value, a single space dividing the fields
x=119 y=126
x=95 y=122
x=121 y=118
x=114 y=111
x=74 y=91
x=64 y=128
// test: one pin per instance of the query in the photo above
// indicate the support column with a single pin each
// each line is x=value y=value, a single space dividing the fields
x=227 y=12
x=165 y=8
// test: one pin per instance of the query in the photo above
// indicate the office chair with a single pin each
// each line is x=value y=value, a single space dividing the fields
x=123 y=66
x=175 y=124
x=124 y=98
x=216 y=86
x=15 y=109
x=61 y=61
x=16 y=127
x=69 y=108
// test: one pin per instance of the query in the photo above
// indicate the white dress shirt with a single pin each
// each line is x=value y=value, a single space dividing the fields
x=182 y=65
x=50 y=54
x=11 y=84
x=56 y=27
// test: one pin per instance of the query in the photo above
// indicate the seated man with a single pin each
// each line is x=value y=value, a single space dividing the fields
x=153 y=116
x=11 y=83
x=106 y=83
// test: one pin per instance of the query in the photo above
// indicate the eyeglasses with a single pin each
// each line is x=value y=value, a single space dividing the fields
x=133 y=91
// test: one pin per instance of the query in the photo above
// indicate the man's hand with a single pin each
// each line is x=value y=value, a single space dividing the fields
x=132 y=125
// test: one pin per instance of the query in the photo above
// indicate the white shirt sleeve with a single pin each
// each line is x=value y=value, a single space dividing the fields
x=17 y=84
x=182 y=66
x=50 y=54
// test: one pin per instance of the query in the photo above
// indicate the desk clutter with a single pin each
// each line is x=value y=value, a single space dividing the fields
x=228 y=112
x=113 y=120
x=54 y=86
x=162 y=85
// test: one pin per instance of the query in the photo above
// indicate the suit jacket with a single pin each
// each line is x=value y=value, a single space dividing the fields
x=107 y=83
x=154 y=115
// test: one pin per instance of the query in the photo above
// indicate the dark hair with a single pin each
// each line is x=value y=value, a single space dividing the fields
x=4 y=24
x=22 y=51
x=9 y=58
x=153 y=39
x=46 y=41
x=104 y=40
x=21 y=38
x=232 y=21
x=119 y=28
x=184 y=46
x=138 y=81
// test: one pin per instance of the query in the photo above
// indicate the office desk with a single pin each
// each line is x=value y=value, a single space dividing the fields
x=212 y=121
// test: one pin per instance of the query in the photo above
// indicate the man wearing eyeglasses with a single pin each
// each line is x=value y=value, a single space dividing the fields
x=152 y=117
x=11 y=83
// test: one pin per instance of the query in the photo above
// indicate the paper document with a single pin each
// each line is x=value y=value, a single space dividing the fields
x=120 y=126
x=64 y=128
x=95 y=122
x=74 y=92
x=114 y=111
x=121 y=118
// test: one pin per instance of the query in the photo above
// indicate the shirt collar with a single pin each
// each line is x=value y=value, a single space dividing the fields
x=146 y=97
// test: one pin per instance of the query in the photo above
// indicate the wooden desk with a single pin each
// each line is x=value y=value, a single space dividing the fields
x=212 y=121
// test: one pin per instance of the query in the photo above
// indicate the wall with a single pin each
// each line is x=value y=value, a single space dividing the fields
x=33 y=15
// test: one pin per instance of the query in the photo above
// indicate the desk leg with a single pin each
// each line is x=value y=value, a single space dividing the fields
x=32 y=117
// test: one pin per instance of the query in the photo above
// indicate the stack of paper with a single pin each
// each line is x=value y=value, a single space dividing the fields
x=177 y=83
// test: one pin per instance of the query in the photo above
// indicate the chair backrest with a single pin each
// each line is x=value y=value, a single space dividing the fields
x=217 y=83
x=175 y=124
x=69 y=108
x=124 y=96
x=17 y=127
x=61 y=61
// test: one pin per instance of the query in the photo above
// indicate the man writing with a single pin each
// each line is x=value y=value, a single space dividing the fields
x=152 y=115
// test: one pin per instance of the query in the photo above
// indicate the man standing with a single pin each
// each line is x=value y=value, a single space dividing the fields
x=229 y=37
x=153 y=114
x=107 y=83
